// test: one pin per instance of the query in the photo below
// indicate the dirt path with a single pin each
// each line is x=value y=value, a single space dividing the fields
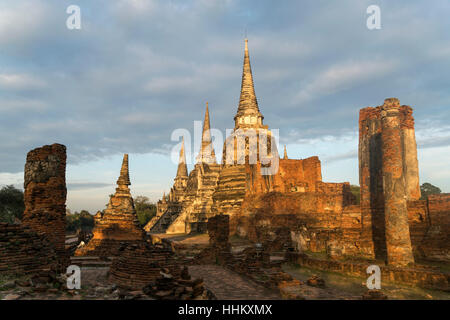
x=228 y=285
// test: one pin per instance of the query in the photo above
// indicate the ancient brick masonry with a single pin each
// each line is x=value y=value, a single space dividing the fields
x=398 y=240
x=219 y=250
x=373 y=242
x=387 y=153
x=45 y=195
x=140 y=263
x=23 y=251
x=436 y=243
x=253 y=262
x=118 y=223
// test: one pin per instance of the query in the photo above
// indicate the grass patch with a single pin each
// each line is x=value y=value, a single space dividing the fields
x=357 y=285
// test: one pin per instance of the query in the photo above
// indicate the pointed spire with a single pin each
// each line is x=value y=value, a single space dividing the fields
x=285 y=153
x=182 y=168
x=207 y=153
x=124 y=179
x=248 y=104
x=164 y=197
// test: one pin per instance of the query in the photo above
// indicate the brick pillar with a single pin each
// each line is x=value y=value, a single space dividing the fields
x=398 y=241
x=410 y=162
x=373 y=241
x=45 y=195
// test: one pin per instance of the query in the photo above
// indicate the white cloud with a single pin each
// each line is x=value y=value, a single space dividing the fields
x=20 y=81
x=15 y=179
x=21 y=21
x=22 y=104
x=344 y=76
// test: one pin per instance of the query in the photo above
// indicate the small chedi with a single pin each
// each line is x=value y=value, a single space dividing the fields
x=117 y=224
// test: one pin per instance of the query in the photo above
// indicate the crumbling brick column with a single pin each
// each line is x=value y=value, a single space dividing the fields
x=219 y=250
x=45 y=194
x=398 y=241
x=373 y=241
x=218 y=231
x=410 y=162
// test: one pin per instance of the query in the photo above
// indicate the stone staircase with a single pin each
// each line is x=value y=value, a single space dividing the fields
x=161 y=223
x=231 y=189
x=198 y=204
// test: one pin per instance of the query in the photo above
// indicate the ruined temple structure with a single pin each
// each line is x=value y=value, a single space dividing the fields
x=212 y=188
x=396 y=225
x=283 y=203
x=45 y=196
x=251 y=169
x=118 y=224
x=190 y=199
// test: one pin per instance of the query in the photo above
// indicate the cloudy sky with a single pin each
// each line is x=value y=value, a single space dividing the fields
x=138 y=70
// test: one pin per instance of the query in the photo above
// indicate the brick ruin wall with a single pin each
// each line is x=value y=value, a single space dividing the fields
x=140 y=263
x=294 y=175
x=45 y=195
x=24 y=251
x=436 y=242
x=305 y=220
x=327 y=220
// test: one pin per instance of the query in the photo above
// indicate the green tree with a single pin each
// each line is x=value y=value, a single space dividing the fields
x=427 y=189
x=11 y=204
x=356 y=190
x=86 y=220
x=82 y=220
x=145 y=210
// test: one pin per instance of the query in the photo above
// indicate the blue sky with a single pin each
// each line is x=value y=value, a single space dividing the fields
x=138 y=70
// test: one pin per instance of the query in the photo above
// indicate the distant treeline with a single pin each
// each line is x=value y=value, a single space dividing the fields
x=12 y=207
x=426 y=190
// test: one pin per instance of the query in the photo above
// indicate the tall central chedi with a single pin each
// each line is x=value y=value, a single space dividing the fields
x=248 y=115
x=212 y=188
x=244 y=144
x=117 y=224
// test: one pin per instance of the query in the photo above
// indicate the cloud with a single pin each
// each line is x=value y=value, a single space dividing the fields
x=433 y=135
x=86 y=185
x=20 y=81
x=344 y=76
x=13 y=105
x=137 y=70
x=353 y=154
